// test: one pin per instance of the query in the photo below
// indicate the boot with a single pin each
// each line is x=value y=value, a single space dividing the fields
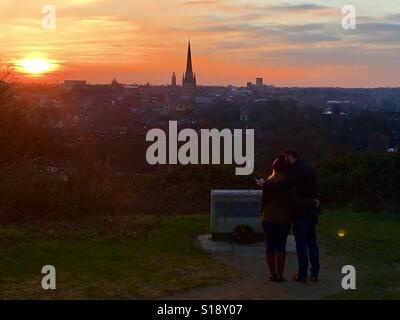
x=271 y=260
x=280 y=266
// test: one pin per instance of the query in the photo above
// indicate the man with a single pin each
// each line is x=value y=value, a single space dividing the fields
x=305 y=219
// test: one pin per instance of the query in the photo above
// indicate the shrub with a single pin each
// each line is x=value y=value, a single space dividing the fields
x=244 y=234
x=361 y=180
x=184 y=189
x=26 y=195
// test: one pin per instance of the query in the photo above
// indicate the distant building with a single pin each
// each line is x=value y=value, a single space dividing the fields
x=74 y=84
x=189 y=78
x=189 y=83
x=131 y=90
x=204 y=101
x=249 y=85
x=245 y=115
x=115 y=83
x=259 y=82
x=392 y=150
x=173 y=80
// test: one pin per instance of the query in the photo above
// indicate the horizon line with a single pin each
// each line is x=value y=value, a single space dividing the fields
x=204 y=85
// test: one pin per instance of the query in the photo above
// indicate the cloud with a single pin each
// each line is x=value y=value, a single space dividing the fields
x=202 y=3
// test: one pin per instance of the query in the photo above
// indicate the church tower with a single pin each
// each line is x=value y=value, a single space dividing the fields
x=189 y=78
x=173 y=80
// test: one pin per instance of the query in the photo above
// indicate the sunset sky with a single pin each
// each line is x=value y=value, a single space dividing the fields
x=289 y=43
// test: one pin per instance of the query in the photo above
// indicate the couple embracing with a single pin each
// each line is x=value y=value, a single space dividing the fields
x=290 y=199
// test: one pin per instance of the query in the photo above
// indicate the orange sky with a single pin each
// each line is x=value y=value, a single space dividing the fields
x=289 y=43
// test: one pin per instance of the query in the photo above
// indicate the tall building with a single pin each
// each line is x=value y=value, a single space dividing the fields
x=114 y=82
x=173 y=81
x=259 y=82
x=189 y=78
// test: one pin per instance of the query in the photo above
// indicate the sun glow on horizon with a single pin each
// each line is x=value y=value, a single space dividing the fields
x=36 y=66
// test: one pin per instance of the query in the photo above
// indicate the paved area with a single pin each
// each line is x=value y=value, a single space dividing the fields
x=253 y=250
x=254 y=284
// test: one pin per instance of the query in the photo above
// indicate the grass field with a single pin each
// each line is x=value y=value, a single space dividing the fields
x=372 y=245
x=115 y=258
x=151 y=257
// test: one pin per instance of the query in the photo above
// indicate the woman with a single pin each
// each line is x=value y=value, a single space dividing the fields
x=276 y=218
x=278 y=198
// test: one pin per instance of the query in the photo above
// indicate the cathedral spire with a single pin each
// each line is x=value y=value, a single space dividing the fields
x=189 y=68
x=189 y=82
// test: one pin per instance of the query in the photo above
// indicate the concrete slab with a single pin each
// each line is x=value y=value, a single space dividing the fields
x=251 y=250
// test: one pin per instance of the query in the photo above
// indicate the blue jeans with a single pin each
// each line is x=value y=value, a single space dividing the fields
x=276 y=236
x=304 y=229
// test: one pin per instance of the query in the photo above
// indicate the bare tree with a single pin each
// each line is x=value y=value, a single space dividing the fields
x=6 y=72
x=13 y=128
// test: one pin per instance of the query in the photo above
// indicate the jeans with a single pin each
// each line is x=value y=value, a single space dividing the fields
x=276 y=236
x=304 y=229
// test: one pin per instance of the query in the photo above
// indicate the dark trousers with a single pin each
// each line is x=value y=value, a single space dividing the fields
x=304 y=229
x=276 y=236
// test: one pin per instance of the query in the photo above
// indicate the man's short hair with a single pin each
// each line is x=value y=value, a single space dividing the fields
x=291 y=152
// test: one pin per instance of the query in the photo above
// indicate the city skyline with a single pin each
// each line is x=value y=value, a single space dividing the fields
x=296 y=43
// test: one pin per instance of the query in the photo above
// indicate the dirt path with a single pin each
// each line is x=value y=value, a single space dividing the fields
x=254 y=284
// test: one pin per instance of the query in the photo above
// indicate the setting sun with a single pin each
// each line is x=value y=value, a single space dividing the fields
x=36 y=66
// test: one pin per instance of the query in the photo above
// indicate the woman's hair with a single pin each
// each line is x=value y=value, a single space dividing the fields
x=280 y=164
x=280 y=167
x=291 y=152
x=276 y=176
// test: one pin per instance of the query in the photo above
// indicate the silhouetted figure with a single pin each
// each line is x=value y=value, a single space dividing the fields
x=305 y=219
x=279 y=198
